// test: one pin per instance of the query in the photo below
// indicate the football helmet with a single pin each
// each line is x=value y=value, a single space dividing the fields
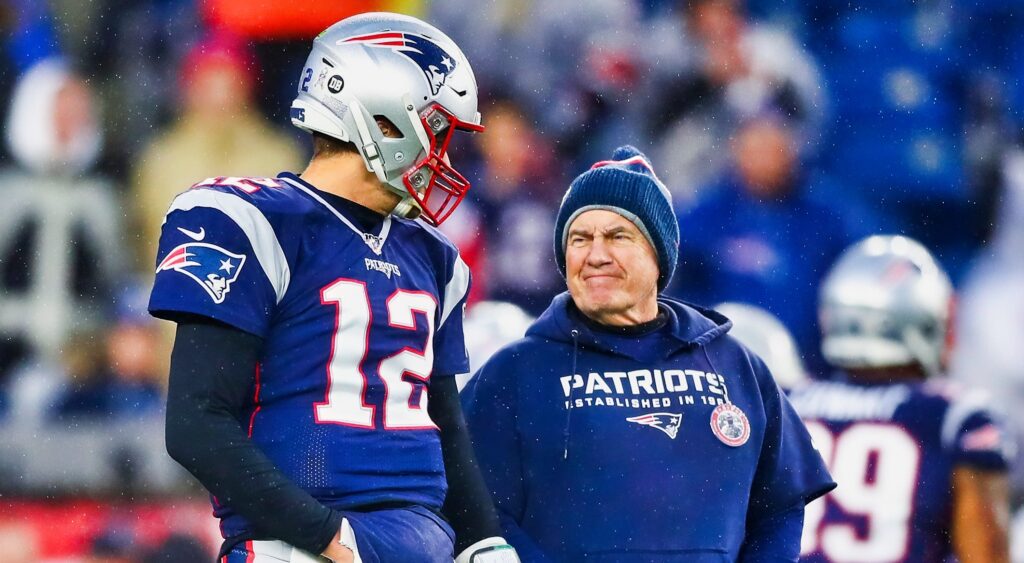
x=886 y=303
x=767 y=337
x=383 y=66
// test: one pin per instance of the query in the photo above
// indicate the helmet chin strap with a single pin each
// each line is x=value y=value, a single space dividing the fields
x=407 y=209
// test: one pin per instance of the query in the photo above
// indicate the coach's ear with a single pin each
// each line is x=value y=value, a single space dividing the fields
x=490 y=550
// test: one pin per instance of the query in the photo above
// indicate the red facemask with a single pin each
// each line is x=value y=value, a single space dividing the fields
x=433 y=183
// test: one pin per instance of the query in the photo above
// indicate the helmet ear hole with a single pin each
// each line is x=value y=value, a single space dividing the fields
x=388 y=128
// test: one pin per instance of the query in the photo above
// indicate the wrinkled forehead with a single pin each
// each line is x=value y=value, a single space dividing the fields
x=601 y=220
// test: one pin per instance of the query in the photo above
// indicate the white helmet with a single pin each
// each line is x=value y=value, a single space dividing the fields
x=383 y=65
x=767 y=337
x=886 y=303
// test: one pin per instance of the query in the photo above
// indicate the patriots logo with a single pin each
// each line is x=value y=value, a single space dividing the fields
x=435 y=63
x=212 y=267
x=667 y=422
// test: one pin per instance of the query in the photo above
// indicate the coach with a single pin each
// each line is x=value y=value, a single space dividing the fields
x=627 y=426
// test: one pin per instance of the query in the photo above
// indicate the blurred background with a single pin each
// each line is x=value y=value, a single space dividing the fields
x=786 y=130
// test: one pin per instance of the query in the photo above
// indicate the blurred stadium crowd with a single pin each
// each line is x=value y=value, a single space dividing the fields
x=786 y=129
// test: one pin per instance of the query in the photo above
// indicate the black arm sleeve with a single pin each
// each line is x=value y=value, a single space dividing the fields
x=468 y=505
x=212 y=368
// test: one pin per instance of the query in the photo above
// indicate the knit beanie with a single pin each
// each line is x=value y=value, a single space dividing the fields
x=626 y=185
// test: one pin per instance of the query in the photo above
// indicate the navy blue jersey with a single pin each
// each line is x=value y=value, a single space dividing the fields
x=354 y=325
x=891 y=449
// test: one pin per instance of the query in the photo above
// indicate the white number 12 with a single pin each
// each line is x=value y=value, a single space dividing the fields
x=345 y=401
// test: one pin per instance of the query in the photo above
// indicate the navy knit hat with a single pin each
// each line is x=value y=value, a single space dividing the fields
x=626 y=185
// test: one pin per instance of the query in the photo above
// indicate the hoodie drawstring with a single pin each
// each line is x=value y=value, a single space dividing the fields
x=707 y=357
x=569 y=409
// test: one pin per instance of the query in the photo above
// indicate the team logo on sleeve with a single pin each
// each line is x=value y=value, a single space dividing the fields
x=212 y=267
x=435 y=63
x=667 y=422
x=987 y=438
x=730 y=425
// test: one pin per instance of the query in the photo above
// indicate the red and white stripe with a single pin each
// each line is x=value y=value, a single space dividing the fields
x=177 y=257
x=627 y=162
x=386 y=39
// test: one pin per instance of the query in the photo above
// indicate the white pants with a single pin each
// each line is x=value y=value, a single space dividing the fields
x=273 y=551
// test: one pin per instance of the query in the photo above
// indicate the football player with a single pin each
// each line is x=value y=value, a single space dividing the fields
x=312 y=386
x=921 y=466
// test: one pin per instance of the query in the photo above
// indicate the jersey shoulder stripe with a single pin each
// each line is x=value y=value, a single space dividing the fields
x=252 y=222
x=960 y=410
x=456 y=288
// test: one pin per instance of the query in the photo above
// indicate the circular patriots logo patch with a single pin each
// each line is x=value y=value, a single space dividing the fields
x=730 y=425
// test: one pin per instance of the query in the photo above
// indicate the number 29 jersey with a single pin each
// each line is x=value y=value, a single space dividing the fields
x=353 y=324
x=891 y=450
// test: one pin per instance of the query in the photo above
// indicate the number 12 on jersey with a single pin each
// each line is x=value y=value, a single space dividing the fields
x=345 y=400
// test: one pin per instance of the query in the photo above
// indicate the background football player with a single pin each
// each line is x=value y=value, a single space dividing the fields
x=312 y=387
x=921 y=466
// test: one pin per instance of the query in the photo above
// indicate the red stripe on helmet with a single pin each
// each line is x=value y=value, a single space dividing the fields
x=373 y=36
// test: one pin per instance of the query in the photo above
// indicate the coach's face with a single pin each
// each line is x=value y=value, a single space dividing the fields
x=611 y=269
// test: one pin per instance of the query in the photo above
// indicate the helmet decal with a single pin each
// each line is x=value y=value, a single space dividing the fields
x=435 y=63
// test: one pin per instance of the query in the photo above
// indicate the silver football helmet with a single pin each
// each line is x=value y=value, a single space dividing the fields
x=767 y=337
x=886 y=303
x=383 y=65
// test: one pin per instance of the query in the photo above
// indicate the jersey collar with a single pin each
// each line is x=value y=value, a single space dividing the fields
x=375 y=242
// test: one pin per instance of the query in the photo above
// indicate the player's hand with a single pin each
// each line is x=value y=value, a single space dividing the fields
x=339 y=553
x=490 y=550
x=338 y=550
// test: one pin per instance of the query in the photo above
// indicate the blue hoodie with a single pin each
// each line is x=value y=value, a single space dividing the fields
x=635 y=471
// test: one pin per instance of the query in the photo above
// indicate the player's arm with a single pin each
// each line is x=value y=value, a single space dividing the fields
x=982 y=451
x=468 y=505
x=981 y=513
x=212 y=368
